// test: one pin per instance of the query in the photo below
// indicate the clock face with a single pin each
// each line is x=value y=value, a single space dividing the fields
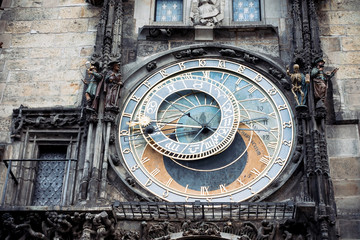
x=206 y=129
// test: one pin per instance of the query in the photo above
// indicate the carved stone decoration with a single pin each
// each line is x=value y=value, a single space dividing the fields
x=44 y=118
x=158 y=230
x=306 y=33
x=190 y=53
x=207 y=12
x=251 y=59
x=266 y=230
x=281 y=78
x=151 y=66
x=10 y=230
x=228 y=53
x=109 y=33
x=200 y=229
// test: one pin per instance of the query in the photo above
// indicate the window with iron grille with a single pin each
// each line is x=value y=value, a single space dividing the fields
x=49 y=176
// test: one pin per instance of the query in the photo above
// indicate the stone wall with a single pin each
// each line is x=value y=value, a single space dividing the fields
x=340 y=31
x=45 y=46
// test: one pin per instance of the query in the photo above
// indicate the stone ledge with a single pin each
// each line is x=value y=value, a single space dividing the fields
x=163 y=32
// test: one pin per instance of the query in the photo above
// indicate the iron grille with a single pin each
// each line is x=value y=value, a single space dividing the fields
x=209 y=211
x=49 y=180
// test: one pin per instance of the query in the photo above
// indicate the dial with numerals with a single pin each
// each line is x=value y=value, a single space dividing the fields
x=206 y=129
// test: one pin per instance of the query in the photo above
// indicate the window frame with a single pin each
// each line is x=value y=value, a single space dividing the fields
x=242 y=23
x=185 y=16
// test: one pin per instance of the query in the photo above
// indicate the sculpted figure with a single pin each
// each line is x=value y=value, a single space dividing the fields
x=93 y=81
x=207 y=13
x=113 y=84
x=88 y=233
x=300 y=85
x=321 y=79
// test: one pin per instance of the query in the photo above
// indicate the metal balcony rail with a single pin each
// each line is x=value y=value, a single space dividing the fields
x=204 y=210
x=8 y=164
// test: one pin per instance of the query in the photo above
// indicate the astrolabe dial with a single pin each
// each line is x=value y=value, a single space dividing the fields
x=192 y=118
x=206 y=130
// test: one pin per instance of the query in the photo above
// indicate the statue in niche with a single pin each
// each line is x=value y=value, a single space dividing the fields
x=112 y=87
x=300 y=84
x=320 y=79
x=94 y=78
x=206 y=12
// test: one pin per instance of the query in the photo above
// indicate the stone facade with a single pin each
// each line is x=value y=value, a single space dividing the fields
x=339 y=29
x=45 y=47
x=46 y=43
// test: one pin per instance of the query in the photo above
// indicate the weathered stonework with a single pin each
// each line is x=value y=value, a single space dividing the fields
x=46 y=44
x=45 y=47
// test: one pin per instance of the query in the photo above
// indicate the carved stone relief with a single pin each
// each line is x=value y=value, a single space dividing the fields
x=207 y=12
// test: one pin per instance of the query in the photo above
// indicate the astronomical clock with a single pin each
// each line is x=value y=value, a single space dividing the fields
x=206 y=129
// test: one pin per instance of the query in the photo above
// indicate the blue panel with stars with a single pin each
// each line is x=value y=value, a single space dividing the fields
x=246 y=10
x=169 y=11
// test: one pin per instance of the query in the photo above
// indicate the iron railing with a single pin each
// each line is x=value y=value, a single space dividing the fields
x=204 y=210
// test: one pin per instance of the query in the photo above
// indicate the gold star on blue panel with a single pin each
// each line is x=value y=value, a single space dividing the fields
x=169 y=11
x=246 y=10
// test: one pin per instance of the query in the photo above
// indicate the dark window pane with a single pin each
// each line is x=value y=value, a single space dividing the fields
x=49 y=177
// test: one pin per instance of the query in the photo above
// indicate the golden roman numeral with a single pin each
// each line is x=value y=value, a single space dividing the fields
x=272 y=145
x=241 y=183
x=129 y=115
x=222 y=188
x=204 y=190
x=265 y=159
x=155 y=172
x=144 y=160
x=169 y=182
x=255 y=171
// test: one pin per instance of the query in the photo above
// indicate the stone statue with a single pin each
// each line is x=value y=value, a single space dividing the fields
x=103 y=225
x=207 y=13
x=265 y=231
x=113 y=84
x=300 y=85
x=93 y=80
x=320 y=79
x=88 y=233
